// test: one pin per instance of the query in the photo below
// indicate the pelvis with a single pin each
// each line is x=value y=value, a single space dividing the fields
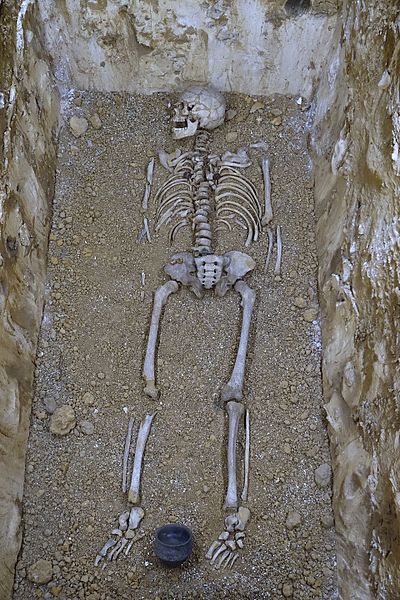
x=209 y=272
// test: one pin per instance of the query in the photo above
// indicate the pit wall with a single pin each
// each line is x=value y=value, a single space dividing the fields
x=149 y=46
x=29 y=110
x=249 y=46
x=357 y=191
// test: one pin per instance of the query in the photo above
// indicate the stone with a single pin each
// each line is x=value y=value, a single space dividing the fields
x=230 y=114
x=95 y=121
x=287 y=590
x=63 y=420
x=323 y=475
x=310 y=314
x=86 y=427
x=40 y=572
x=258 y=105
x=293 y=520
x=300 y=302
x=327 y=521
x=78 y=126
x=50 y=405
x=276 y=121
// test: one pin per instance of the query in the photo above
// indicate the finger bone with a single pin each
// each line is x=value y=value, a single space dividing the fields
x=109 y=544
x=221 y=549
x=212 y=549
x=122 y=545
x=221 y=559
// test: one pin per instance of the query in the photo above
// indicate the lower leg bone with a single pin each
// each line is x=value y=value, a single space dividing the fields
x=233 y=390
x=134 y=490
x=246 y=459
x=160 y=298
x=126 y=455
x=235 y=411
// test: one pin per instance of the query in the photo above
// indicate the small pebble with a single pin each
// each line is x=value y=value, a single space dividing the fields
x=88 y=399
x=287 y=590
x=63 y=420
x=300 y=302
x=323 y=475
x=86 y=427
x=50 y=405
x=78 y=126
x=40 y=572
x=95 y=121
x=293 y=520
x=310 y=314
x=327 y=521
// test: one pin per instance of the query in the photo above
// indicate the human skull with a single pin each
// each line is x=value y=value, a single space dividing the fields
x=198 y=107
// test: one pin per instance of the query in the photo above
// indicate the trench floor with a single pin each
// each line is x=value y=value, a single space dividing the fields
x=90 y=356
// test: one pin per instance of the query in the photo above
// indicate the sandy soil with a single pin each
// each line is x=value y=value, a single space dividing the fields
x=93 y=339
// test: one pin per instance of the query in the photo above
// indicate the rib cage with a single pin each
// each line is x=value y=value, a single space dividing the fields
x=185 y=198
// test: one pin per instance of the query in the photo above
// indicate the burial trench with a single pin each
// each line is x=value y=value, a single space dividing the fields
x=90 y=357
x=333 y=195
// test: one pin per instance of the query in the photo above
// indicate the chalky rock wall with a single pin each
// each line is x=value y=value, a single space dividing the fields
x=357 y=192
x=29 y=112
x=249 y=46
x=349 y=62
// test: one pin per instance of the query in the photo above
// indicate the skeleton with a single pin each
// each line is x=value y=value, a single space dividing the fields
x=209 y=193
x=202 y=191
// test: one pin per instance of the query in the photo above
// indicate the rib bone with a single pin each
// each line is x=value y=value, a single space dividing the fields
x=233 y=390
x=270 y=244
x=235 y=411
x=278 y=263
x=160 y=298
x=267 y=192
x=134 y=490
x=149 y=182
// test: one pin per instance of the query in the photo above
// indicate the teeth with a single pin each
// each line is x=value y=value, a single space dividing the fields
x=179 y=132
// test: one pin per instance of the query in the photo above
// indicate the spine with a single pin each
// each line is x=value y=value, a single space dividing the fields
x=201 y=189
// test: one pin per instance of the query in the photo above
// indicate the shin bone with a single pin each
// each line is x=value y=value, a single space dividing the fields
x=235 y=412
x=134 y=490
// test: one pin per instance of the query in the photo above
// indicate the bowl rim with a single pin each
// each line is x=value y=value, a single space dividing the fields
x=173 y=525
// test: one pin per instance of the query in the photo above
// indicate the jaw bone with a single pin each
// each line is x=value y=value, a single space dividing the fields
x=188 y=130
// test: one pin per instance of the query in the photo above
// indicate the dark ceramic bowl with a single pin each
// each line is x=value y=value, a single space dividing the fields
x=173 y=544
